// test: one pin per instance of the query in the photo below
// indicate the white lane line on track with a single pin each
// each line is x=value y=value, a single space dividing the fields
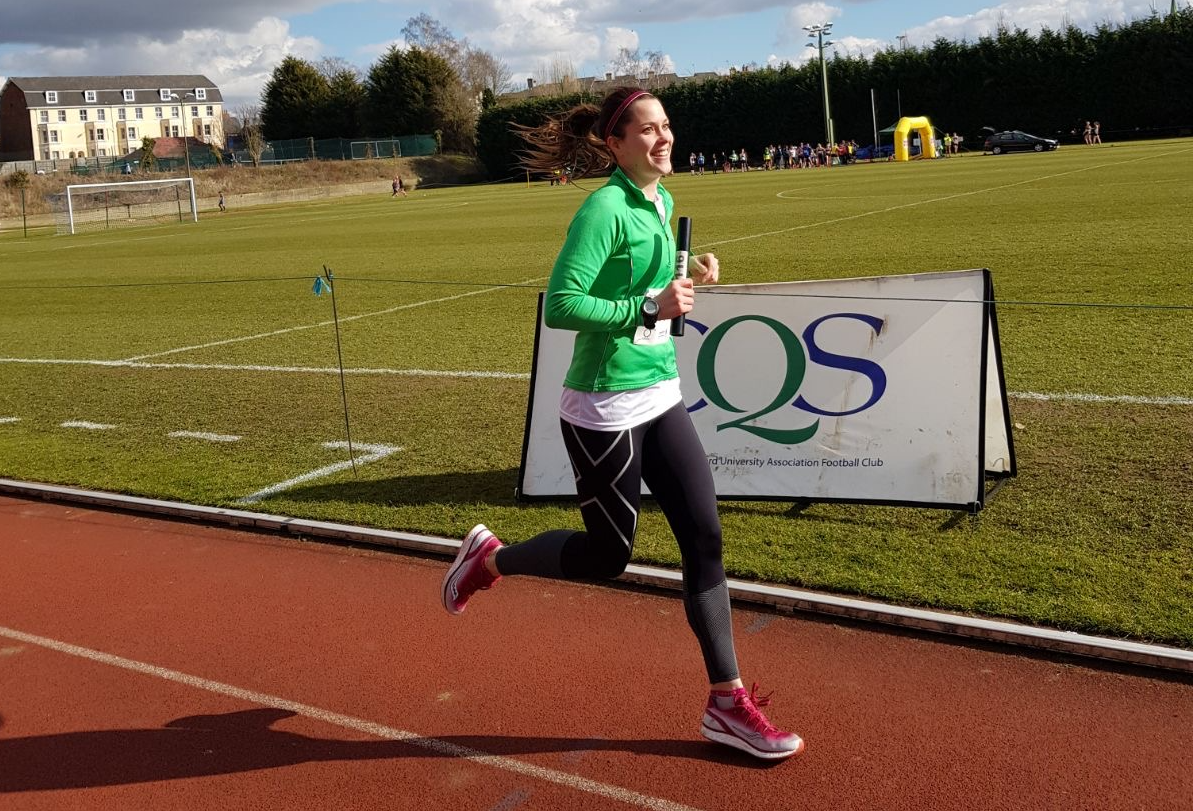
x=375 y=452
x=888 y=209
x=90 y=426
x=327 y=323
x=231 y=367
x=8 y=420
x=571 y=781
x=203 y=435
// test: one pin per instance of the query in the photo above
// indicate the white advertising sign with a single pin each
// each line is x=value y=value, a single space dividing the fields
x=883 y=390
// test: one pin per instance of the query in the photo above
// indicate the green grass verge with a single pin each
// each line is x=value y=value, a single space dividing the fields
x=1096 y=533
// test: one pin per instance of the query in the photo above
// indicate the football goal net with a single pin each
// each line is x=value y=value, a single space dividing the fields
x=99 y=206
x=380 y=148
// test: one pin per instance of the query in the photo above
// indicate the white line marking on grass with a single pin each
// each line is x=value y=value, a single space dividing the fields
x=571 y=781
x=328 y=323
x=1103 y=398
x=229 y=367
x=1133 y=399
x=90 y=426
x=8 y=420
x=375 y=452
x=203 y=435
x=864 y=214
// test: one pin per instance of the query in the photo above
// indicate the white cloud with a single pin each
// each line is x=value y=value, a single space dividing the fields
x=538 y=30
x=817 y=13
x=615 y=40
x=238 y=63
x=73 y=22
x=1032 y=17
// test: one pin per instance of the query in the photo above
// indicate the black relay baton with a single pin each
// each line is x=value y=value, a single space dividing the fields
x=683 y=243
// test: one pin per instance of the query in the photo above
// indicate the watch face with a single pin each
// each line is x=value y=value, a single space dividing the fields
x=650 y=307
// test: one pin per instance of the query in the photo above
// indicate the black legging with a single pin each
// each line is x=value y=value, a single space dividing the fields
x=610 y=467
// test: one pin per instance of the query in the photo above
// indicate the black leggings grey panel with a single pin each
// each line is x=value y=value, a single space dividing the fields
x=610 y=467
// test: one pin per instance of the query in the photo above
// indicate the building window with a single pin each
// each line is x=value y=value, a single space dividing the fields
x=207 y=130
x=157 y=112
x=44 y=116
x=130 y=95
x=45 y=136
x=174 y=131
x=121 y=114
x=103 y=153
x=101 y=114
x=53 y=136
x=194 y=112
x=132 y=133
x=201 y=93
x=51 y=97
x=99 y=135
x=210 y=111
x=89 y=96
x=62 y=115
x=140 y=112
x=164 y=94
x=83 y=115
x=55 y=155
x=174 y=112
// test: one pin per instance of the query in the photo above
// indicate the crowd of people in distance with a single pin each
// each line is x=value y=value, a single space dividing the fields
x=951 y=143
x=1093 y=133
x=783 y=156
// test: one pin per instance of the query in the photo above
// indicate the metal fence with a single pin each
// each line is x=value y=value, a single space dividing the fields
x=343 y=149
x=202 y=156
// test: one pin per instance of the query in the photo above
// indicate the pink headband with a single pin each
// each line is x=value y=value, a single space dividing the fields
x=630 y=99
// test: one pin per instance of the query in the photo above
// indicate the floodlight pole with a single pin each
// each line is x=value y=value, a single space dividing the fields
x=819 y=31
x=186 y=149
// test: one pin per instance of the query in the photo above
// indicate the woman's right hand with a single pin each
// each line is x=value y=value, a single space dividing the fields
x=677 y=299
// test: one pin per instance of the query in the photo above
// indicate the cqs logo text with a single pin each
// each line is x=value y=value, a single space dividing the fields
x=796 y=369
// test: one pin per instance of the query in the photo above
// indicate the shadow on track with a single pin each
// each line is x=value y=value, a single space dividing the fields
x=207 y=745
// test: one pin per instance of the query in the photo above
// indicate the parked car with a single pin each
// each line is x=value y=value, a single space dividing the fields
x=1012 y=140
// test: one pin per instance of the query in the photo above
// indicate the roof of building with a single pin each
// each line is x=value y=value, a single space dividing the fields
x=598 y=84
x=109 y=90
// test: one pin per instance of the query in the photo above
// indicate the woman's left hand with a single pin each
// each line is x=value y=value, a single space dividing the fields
x=705 y=268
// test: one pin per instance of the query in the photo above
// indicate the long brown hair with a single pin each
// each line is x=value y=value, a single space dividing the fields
x=576 y=137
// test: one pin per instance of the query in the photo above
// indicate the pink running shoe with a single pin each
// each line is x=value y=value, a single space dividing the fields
x=744 y=727
x=468 y=573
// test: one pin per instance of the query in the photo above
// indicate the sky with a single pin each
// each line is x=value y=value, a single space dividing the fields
x=237 y=43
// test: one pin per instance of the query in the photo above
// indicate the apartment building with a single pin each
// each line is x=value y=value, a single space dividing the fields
x=56 y=117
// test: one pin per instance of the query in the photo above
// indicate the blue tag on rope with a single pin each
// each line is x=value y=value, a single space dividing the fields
x=321 y=284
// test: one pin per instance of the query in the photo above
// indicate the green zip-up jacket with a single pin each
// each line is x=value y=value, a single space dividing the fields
x=616 y=250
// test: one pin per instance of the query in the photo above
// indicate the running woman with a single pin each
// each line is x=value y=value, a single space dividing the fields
x=621 y=411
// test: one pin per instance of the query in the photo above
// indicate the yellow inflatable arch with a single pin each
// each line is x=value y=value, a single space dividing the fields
x=927 y=141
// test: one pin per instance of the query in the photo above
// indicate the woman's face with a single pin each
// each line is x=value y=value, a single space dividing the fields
x=644 y=150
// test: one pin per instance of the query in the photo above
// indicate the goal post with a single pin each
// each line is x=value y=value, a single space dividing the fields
x=102 y=206
x=375 y=148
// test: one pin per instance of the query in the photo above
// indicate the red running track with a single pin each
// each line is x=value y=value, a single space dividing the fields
x=149 y=664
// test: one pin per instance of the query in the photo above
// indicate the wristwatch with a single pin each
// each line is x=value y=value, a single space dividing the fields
x=650 y=312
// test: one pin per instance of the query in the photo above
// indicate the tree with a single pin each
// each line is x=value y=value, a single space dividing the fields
x=430 y=35
x=294 y=99
x=148 y=159
x=404 y=92
x=561 y=73
x=251 y=132
x=344 y=108
x=482 y=71
x=627 y=63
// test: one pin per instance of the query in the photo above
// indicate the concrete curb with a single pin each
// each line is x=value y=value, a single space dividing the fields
x=779 y=597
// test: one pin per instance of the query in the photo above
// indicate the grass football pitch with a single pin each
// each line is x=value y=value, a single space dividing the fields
x=221 y=338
